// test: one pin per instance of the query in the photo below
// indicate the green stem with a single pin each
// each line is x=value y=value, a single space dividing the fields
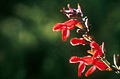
x=106 y=62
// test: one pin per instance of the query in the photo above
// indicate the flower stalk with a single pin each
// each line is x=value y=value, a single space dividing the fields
x=97 y=59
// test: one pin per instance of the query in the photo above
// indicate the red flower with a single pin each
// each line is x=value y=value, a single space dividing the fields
x=97 y=49
x=77 y=41
x=66 y=27
x=88 y=60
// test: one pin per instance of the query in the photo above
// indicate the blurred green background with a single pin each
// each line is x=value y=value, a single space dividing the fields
x=29 y=49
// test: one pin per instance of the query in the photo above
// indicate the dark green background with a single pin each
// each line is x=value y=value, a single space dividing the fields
x=29 y=49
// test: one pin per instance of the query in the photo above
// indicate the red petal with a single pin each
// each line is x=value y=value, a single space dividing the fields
x=100 y=52
x=91 y=70
x=100 y=65
x=75 y=59
x=65 y=34
x=76 y=41
x=71 y=23
x=97 y=52
x=81 y=68
x=58 y=26
x=94 y=45
x=88 y=60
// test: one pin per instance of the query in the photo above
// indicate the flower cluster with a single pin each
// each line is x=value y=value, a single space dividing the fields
x=97 y=53
x=90 y=60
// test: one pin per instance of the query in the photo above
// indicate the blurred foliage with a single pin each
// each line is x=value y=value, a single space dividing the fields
x=29 y=49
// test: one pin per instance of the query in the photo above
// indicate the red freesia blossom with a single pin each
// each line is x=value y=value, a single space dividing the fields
x=97 y=49
x=66 y=27
x=88 y=60
x=77 y=41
